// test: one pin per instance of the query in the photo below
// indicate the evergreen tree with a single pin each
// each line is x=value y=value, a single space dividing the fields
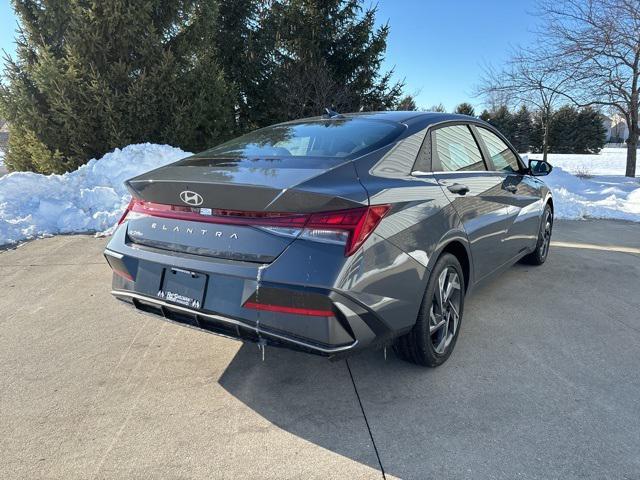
x=590 y=132
x=246 y=55
x=522 y=131
x=92 y=76
x=485 y=115
x=407 y=103
x=503 y=120
x=292 y=58
x=562 y=130
x=537 y=133
x=437 y=108
x=465 y=109
x=573 y=131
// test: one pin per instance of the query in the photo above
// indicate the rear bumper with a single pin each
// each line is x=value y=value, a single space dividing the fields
x=225 y=326
x=371 y=295
x=138 y=273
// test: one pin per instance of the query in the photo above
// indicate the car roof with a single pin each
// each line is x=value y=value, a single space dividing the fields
x=403 y=116
x=400 y=116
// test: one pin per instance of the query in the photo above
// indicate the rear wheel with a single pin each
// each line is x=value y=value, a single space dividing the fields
x=434 y=335
x=539 y=255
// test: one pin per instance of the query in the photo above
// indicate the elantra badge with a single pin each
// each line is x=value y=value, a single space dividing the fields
x=191 y=198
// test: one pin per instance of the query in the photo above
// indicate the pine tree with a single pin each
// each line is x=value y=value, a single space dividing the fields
x=293 y=58
x=245 y=51
x=503 y=120
x=437 y=108
x=465 y=108
x=537 y=133
x=562 y=130
x=407 y=103
x=92 y=76
x=590 y=131
x=523 y=127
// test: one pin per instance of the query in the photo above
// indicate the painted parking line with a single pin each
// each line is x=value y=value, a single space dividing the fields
x=593 y=246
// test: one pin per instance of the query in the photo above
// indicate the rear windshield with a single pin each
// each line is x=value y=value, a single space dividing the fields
x=323 y=138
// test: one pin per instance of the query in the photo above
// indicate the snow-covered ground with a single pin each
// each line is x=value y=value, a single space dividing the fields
x=92 y=198
x=593 y=186
x=610 y=161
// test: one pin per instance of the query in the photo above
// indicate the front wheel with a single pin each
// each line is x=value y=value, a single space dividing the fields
x=539 y=255
x=434 y=335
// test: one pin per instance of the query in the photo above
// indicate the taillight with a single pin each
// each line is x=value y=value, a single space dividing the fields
x=126 y=211
x=310 y=312
x=345 y=227
x=220 y=216
x=353 y=225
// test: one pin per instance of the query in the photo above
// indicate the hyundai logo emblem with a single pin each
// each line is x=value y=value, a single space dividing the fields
x=191 y=198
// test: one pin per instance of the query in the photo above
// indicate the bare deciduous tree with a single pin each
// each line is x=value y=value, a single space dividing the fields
x=527 y=78
x=598 y=42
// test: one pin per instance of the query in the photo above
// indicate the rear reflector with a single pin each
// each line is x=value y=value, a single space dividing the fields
x=122 y=273
x=346 y=227
x=117 y=264
x=285 y=309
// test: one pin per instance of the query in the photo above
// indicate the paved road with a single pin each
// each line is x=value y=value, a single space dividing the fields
x=544 y=382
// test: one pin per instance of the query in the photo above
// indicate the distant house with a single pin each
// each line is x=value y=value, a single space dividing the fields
x=617 y=130
x=4 y=135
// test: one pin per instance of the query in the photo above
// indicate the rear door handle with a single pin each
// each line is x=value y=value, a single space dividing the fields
x=511 y=188
x=458 y=188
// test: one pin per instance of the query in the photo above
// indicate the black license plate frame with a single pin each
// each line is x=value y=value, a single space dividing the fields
x=182 y=287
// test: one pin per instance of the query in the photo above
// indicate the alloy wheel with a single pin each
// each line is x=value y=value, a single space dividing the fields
x=444 y=314
x=546 y=235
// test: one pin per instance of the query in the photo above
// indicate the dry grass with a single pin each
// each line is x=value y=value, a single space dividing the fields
x=583 y=173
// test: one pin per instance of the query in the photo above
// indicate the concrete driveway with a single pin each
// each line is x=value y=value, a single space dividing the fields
x=544 y=382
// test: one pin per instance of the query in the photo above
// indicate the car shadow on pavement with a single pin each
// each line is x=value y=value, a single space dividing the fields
x=314 y=398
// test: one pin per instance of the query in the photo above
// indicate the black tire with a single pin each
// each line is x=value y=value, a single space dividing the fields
x=419 y=345
x=539 y=255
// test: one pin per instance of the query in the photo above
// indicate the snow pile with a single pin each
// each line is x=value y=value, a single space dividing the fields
x=602 y=196
x=90 y=199
x=600 y=191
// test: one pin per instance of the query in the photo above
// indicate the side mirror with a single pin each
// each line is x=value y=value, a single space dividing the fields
x=539 y=168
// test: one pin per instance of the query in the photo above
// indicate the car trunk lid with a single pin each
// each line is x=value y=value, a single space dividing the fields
x=239 y=209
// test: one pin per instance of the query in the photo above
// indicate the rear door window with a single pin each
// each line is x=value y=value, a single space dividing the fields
x=456 y=149
x=501 y=155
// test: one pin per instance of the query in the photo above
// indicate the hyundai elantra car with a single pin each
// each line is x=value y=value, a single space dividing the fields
x=335 y=233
